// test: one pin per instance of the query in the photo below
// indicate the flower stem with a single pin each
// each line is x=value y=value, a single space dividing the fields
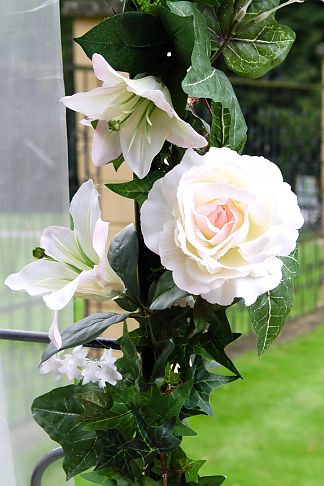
x=163 y=470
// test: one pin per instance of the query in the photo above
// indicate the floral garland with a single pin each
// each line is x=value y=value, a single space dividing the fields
x=213 y=227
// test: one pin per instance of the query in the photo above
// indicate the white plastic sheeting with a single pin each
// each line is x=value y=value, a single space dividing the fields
x=33 y=195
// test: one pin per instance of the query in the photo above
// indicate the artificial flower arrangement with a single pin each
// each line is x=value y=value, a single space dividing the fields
x=213 y=227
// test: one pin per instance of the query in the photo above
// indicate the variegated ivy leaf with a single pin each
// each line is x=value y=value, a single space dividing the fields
x=253 y=48
x=268 y=314
x=203 y=81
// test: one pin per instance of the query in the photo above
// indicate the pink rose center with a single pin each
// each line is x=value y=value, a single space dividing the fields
x=214 y=218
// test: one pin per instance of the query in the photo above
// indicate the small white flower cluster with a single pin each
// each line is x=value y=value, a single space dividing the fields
x=77 y=366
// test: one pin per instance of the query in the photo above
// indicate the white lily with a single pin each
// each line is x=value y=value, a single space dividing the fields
x=76 y=261
x=135 y=117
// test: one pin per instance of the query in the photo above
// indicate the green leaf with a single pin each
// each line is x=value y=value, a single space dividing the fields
x=269 y=313
x=255 y=49
x=201 y=313
x=107 y=477
x=136 y=189
x=118 y=162
x=115 y=454
x=95 y=403
x=84 y=331
x=118 y=415
x=220 y=128
x=181 y=32
x=59 y=413
x=166 y=292
x=204 y=384
x=203 y=81
x=150 y=439
x=132 y=42
x=158 y=407
x=129 y=365
x=182 y=430
x=211 y=344
x=123 y=258
x=162 y=354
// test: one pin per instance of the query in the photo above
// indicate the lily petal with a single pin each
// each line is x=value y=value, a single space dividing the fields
x=182 y=134
x=105 y=275
x=93 y=103
x=60 y=244
x=59 y=299
x=105 y=72
x=105 y=145
x=41 y=277
x=141 y=142
x=54 y=331
x=153 y=90
x=85 y=212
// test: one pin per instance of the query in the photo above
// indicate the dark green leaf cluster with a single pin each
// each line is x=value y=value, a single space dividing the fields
x=131 y=433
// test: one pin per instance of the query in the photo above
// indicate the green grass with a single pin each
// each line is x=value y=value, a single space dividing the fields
x=268 y=428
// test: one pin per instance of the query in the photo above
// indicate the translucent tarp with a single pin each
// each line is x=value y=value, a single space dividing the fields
x=33 y=195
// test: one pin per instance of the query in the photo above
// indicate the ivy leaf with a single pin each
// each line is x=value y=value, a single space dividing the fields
x=221 y=124
x=159 y=407
x=162 y=354
x=123 y=258
x=211 y=344
x=118 y=415
x=132 y=42
x=166 y=293
x=84 y=331
x=204 y=384
x=203 y=81
x=200 y=314
x=115 y=454
x=136 y=189
x=255 y=49
x=107 y=477
x=150 y=439
x=268 y=314
x=182 y=430
x=95 y=403
x=179 y=464
x=129 y=365
x=59 y=413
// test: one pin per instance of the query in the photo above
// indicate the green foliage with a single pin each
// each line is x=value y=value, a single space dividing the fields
x=136 y=189
x=59 y=413
x=133 y=42
x=84 y=331
x=123 y=257
x=251 y=48
x=129 y=365
x=220 y=128
x=269 y=313
x=211 y=344
x=204 y=81
x=204 y=384
x=166 y=293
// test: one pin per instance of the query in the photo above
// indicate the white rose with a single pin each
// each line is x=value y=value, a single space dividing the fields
x=219 y=222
